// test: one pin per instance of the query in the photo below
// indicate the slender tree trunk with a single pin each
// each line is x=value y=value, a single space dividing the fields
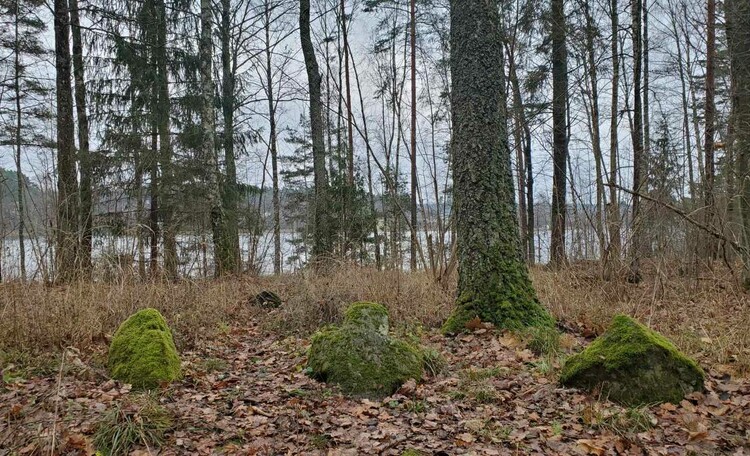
x=520 y=126
x=560 y=132
x=273 y=146
x=322 y=243
x=229 y=191
x=84 y=160
x=349 y=119
x=685 y=104
x=139 y=211
x=493 y=282
x=153 y=211
x=67 y=236
x=19 y=171
x=167 y=187
x=709 y=244
x=646 y=158
x=738 y=37
x=613 y=214
x=413 y=147
x=593 y=76
x=349 y=188
x=208 y=127
x=637 y=136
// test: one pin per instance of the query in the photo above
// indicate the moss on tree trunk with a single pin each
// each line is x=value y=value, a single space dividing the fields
x=493 y=279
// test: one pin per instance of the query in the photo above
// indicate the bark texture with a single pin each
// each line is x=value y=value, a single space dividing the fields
x=322 y=242
x=67 y=245
x=493 y=281
x=560 y=133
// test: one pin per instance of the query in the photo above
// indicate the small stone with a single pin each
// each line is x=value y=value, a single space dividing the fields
x=268 y=300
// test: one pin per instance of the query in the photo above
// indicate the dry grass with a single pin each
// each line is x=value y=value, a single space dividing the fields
x=40 y=318
x=706 y=316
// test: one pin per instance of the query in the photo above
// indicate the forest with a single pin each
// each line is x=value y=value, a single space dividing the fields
x=354 y=227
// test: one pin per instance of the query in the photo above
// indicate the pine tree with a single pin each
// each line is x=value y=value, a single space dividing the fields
x=493 y=282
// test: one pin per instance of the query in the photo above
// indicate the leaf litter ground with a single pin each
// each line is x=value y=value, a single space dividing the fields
x=244 y=392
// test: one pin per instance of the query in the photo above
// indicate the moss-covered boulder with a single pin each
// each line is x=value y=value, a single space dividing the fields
x=633 y=365
x=360 y=356
x=142 y=352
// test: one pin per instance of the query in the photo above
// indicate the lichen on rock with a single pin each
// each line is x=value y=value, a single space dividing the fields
x=633 y=365
x=142 y=351
x=361 y=357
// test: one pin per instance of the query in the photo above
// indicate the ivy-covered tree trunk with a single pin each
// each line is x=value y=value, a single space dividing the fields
x=738 y=37
x=493 y=282
x=322 y=236
x=67 y=244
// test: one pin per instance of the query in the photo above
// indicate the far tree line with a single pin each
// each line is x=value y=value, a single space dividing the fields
x=628 y=120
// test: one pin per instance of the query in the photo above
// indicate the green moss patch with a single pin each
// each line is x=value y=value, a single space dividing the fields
x=514 y=313
x=361 y=357
x=633 y=365
x=368 y=314
x=142 y=352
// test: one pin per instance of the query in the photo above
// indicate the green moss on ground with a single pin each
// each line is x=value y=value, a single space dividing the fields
x=633 y=365
x=361 y=357
x=142 y=351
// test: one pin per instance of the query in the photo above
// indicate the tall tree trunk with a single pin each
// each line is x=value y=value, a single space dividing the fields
x=18 y=133
x=560 y=132
x=613 y=214
x=413 y=147
x=646 y=155
x=493 y=282
x=273 y=146
x=738 y=37
x=522 y=138
x=322 y=236
x=67 y=235
x=593 y=76
x=709 y=244
x=230 y=193
x=348 y=211
x=84 y=158
x=167 y=185
x=634 y=274
x=685 y=104
x=208 y=127
x=153 y=210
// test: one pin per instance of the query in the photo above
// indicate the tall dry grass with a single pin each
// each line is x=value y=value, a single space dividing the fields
x=707 y=316
x=37 y=317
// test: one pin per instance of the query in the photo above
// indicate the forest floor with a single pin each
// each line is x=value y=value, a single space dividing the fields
x=244 y=390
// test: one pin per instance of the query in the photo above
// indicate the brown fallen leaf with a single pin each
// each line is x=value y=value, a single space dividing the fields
x=408 y=388
x=474 y=324
x=465 y=439
x=591 y=447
